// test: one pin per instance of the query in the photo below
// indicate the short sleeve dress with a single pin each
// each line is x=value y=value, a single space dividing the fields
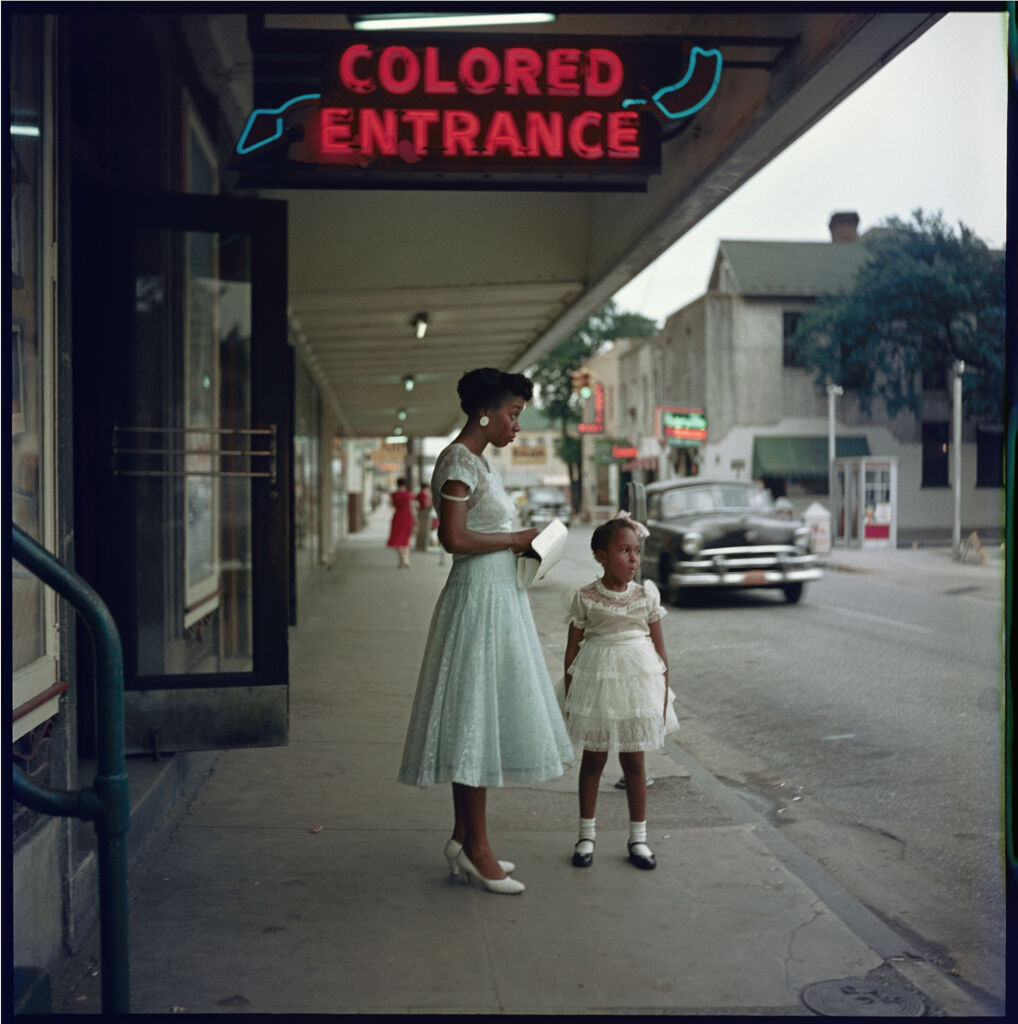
x=402 y=520
x=484 y=713
x=616 y=698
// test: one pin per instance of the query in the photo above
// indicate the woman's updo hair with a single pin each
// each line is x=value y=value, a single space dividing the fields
x=487 y=388
x=602 y=536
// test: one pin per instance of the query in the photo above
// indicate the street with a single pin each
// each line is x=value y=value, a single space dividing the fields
x=865 y=723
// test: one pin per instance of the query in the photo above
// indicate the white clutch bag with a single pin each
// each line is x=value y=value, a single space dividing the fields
x=546 y=550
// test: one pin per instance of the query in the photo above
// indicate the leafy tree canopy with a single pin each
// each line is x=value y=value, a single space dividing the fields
x=925 y=297
x=553 y=373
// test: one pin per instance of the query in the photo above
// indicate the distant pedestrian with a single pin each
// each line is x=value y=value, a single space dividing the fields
x=402 y=522
x=484 y=713
x=423 y=499
x=615 y=689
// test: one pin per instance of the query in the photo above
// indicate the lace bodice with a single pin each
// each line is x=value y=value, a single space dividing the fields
x=606 y=614
x=489 y=508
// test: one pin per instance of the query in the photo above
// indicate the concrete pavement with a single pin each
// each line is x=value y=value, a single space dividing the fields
x=305 y=879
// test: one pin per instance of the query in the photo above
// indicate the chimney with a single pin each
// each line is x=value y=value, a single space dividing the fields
x=844 y=227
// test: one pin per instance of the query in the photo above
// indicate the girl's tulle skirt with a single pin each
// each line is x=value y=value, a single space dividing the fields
x=616 y=699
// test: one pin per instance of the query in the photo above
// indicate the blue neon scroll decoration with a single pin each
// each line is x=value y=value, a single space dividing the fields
x=693 y=104
x=243 y=149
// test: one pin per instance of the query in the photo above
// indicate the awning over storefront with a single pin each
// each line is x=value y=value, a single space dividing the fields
x=798 y=457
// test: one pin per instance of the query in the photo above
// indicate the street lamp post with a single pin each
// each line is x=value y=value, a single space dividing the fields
x=959 y=370
x=833 y=391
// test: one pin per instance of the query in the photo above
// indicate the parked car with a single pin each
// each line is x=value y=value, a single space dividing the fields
x=542 y=505
x=715 y=534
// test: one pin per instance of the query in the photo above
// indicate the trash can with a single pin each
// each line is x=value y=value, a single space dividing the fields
x=818 y=519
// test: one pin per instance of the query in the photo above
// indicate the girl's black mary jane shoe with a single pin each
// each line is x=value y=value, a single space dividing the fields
x=648 y=863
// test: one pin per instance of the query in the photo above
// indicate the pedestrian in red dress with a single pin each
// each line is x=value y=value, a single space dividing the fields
x=402 y=522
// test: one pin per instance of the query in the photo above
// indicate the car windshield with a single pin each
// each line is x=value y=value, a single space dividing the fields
x=548 y=497
x=708 y=497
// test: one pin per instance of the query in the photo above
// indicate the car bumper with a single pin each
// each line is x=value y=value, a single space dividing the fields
x=544 y=518
x=739 y=570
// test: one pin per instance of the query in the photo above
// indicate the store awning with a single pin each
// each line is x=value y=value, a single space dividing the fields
x=797 y=457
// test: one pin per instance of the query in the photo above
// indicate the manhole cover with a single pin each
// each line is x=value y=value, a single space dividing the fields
x=857 y=997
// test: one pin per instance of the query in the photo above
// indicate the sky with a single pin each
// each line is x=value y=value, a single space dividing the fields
x=928 y=130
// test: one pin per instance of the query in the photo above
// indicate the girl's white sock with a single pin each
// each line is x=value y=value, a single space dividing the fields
x=638 y=838
x=588 y=833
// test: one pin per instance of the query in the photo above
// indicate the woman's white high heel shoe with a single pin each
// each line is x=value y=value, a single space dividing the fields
x=507 y=886
x=452 y=848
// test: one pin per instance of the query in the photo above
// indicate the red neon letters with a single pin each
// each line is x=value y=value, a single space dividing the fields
x=398 y=70
x=456 y=124
x=590 y=135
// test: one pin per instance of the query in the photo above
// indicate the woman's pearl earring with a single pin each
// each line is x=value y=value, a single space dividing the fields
x=484 y=421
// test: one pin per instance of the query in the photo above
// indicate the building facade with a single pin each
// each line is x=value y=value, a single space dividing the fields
x=727 y=354
x=148 y=452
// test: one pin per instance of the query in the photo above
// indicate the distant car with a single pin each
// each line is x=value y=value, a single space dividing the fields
x=723 y=534
x=542 y=505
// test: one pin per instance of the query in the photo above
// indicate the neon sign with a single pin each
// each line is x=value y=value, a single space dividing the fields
x=680 y=426
x=442 y=110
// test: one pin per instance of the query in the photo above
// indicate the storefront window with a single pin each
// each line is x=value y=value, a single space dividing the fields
x=189 y=452
x=31 y=364
x=306 y=472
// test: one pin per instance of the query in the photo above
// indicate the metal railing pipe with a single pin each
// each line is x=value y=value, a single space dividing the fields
x=107 y=801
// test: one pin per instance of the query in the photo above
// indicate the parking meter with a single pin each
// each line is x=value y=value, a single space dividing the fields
x=635 y=503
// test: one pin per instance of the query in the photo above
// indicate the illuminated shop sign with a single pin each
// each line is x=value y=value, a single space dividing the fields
x=611 y=450
x=448 y=110
x=681 y=427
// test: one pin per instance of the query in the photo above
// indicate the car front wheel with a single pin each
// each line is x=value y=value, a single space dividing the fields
x=793 y=592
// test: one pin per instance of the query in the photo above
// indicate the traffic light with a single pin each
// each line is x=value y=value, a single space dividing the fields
x=583 y=382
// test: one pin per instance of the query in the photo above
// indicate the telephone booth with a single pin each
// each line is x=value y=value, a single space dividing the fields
x=865 y=501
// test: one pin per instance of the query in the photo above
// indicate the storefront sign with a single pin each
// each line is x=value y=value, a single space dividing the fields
x=528 y=454
x=609 y=450
x=681 y=427
x=445 y=110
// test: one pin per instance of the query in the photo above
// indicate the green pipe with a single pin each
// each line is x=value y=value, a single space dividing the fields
x=107 y=802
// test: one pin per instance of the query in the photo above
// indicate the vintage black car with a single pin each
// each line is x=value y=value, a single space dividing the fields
x=714 y=534
x=542 y=505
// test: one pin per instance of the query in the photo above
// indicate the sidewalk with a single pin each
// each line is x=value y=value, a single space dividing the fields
x=306 y=879
x=932 y=569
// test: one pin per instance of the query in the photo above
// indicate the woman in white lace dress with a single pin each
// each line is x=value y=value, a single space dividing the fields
x=485 y=712
x=616 y=695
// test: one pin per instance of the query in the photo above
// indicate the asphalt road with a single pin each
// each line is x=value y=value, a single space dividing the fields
x=866 y=723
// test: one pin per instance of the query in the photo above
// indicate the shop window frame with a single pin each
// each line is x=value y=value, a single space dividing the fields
x=35 y=687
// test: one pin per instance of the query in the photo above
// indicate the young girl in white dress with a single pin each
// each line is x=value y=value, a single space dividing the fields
x=616 y=694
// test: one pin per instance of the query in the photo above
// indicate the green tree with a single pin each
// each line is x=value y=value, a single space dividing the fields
x=925 y=297
x=553 y=374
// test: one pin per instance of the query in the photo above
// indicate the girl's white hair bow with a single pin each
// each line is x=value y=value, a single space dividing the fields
x=638 y=528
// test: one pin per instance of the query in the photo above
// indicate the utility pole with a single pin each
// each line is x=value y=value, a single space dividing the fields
x=833 y=391
x=959 y=370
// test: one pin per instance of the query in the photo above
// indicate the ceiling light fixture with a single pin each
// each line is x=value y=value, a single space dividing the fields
x=420 y=324
x=395 y=439
x=401 y=414
x=408 y=382
x=388 y=22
